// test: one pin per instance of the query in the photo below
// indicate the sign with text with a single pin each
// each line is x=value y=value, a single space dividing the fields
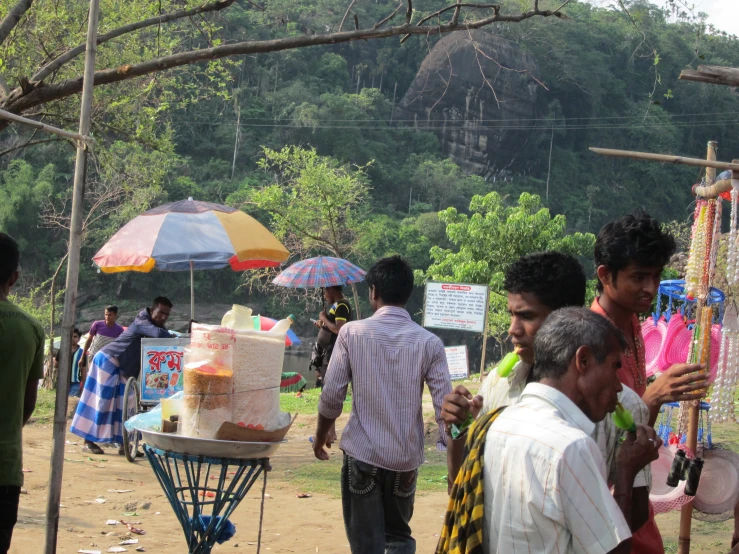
x=161 y=368
x=456 y=359
x=455 y=306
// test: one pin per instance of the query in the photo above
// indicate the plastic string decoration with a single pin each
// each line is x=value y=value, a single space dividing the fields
x=732 y=255
x=698 y=279
x=727 y=376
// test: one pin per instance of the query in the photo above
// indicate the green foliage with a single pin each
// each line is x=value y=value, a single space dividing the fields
x=315 y=203
x=204 y=131
x=494 y=236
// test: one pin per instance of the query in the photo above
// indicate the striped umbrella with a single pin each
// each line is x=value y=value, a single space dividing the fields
x=319 y=272
x=190 y=235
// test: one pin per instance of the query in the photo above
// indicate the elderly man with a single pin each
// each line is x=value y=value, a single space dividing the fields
x=544 y=483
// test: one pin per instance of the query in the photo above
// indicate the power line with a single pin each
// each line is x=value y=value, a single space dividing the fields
x=209 y=119
x=463 y=126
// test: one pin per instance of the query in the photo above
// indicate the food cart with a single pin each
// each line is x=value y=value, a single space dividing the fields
x=160 y=377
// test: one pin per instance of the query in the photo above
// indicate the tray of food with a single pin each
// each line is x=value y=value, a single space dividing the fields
x=211 y=448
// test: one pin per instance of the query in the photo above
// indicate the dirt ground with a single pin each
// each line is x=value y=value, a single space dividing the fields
x=307 y=525
x=290 y=524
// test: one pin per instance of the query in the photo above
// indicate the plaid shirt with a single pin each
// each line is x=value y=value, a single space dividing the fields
x=387 y=359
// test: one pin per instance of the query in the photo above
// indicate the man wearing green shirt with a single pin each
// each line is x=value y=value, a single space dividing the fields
x=21 y=367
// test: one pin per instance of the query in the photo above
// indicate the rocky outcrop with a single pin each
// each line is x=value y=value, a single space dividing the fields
x=470 y=90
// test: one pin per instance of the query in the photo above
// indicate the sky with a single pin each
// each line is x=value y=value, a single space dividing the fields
x=723 y=14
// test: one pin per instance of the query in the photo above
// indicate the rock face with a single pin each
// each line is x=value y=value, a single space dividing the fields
x=452 y=96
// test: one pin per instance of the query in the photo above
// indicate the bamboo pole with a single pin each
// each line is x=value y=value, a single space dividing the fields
x=680 y=160
x=724 y=185
x=77 y=137
x=484 y=336
x=70 y=295
x=691 y=441
x=192 y=291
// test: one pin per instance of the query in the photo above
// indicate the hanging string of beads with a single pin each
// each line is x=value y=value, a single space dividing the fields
x=727 y=375
x=732 y=256
x=697 y=250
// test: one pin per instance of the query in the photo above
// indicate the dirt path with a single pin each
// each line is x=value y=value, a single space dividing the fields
x=291 y=524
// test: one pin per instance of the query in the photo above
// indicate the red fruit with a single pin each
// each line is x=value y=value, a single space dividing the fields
x=259 y=427
x=241 y=424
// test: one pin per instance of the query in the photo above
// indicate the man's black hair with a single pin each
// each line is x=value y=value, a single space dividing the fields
x=163 y=300
x=635 y=238
x=112 y=309
x=9 y=257
x=556 y=279
x=393 y=280
x=77 y=332
x=337 y=288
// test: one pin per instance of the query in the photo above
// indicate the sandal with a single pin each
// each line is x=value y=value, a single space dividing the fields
x=93 y=448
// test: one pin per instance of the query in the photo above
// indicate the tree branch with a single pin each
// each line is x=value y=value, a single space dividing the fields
x=29 y=143
x=388 y=18
x=58 y=62
x=409 y=13
x=42 y=94
x=343 y=19
x=14 y=16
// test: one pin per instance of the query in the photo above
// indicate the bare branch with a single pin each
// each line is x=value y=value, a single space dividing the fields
x=409 y=13
x=456 y=7
x=58 y=62
x=343 y=19
x=388 y=18
x=29 y=143
x=41 y=94
x=14 y=16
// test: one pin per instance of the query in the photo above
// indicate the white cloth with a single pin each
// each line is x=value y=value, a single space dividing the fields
x=497 y=391
x=545 y=482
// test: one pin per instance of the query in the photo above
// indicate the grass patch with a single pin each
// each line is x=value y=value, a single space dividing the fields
x=307 y=403
x=325 y=477
x=45 y=404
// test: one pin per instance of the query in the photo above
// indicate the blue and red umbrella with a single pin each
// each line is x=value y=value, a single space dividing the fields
x=322 y=271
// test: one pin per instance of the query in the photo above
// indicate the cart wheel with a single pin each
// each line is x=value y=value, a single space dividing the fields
x=131 y=399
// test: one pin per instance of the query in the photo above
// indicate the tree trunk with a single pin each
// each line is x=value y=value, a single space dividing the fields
x=49 y=382
x=356 y=301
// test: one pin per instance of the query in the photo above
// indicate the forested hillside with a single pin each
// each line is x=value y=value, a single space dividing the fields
x=603 y=77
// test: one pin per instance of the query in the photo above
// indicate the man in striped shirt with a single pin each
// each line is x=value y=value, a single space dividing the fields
x=544 y=478
x=387 y=358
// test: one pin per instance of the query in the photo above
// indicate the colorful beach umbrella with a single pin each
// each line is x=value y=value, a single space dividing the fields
x=262 y=323
x=190 y=235
x=323 y=271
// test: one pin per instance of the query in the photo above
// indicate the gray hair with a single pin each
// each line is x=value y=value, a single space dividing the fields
x=566 y=330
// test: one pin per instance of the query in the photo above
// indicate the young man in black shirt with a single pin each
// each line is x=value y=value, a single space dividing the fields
x=329 y=324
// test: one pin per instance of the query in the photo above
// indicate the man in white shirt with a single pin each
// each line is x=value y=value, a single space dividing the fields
x=544 y=478
x=538 y=284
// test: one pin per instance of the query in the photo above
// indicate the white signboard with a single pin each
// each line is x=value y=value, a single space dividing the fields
x=456 y=359
x=455 y=306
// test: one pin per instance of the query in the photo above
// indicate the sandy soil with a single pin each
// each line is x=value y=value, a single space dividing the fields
x=291 y=525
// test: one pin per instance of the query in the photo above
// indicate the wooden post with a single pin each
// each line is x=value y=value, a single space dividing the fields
x=70 y=295
x=691 y=441
x=485 y=335
x=192 y=291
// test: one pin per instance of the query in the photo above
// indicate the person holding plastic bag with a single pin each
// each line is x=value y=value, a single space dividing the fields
x=99 y=412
